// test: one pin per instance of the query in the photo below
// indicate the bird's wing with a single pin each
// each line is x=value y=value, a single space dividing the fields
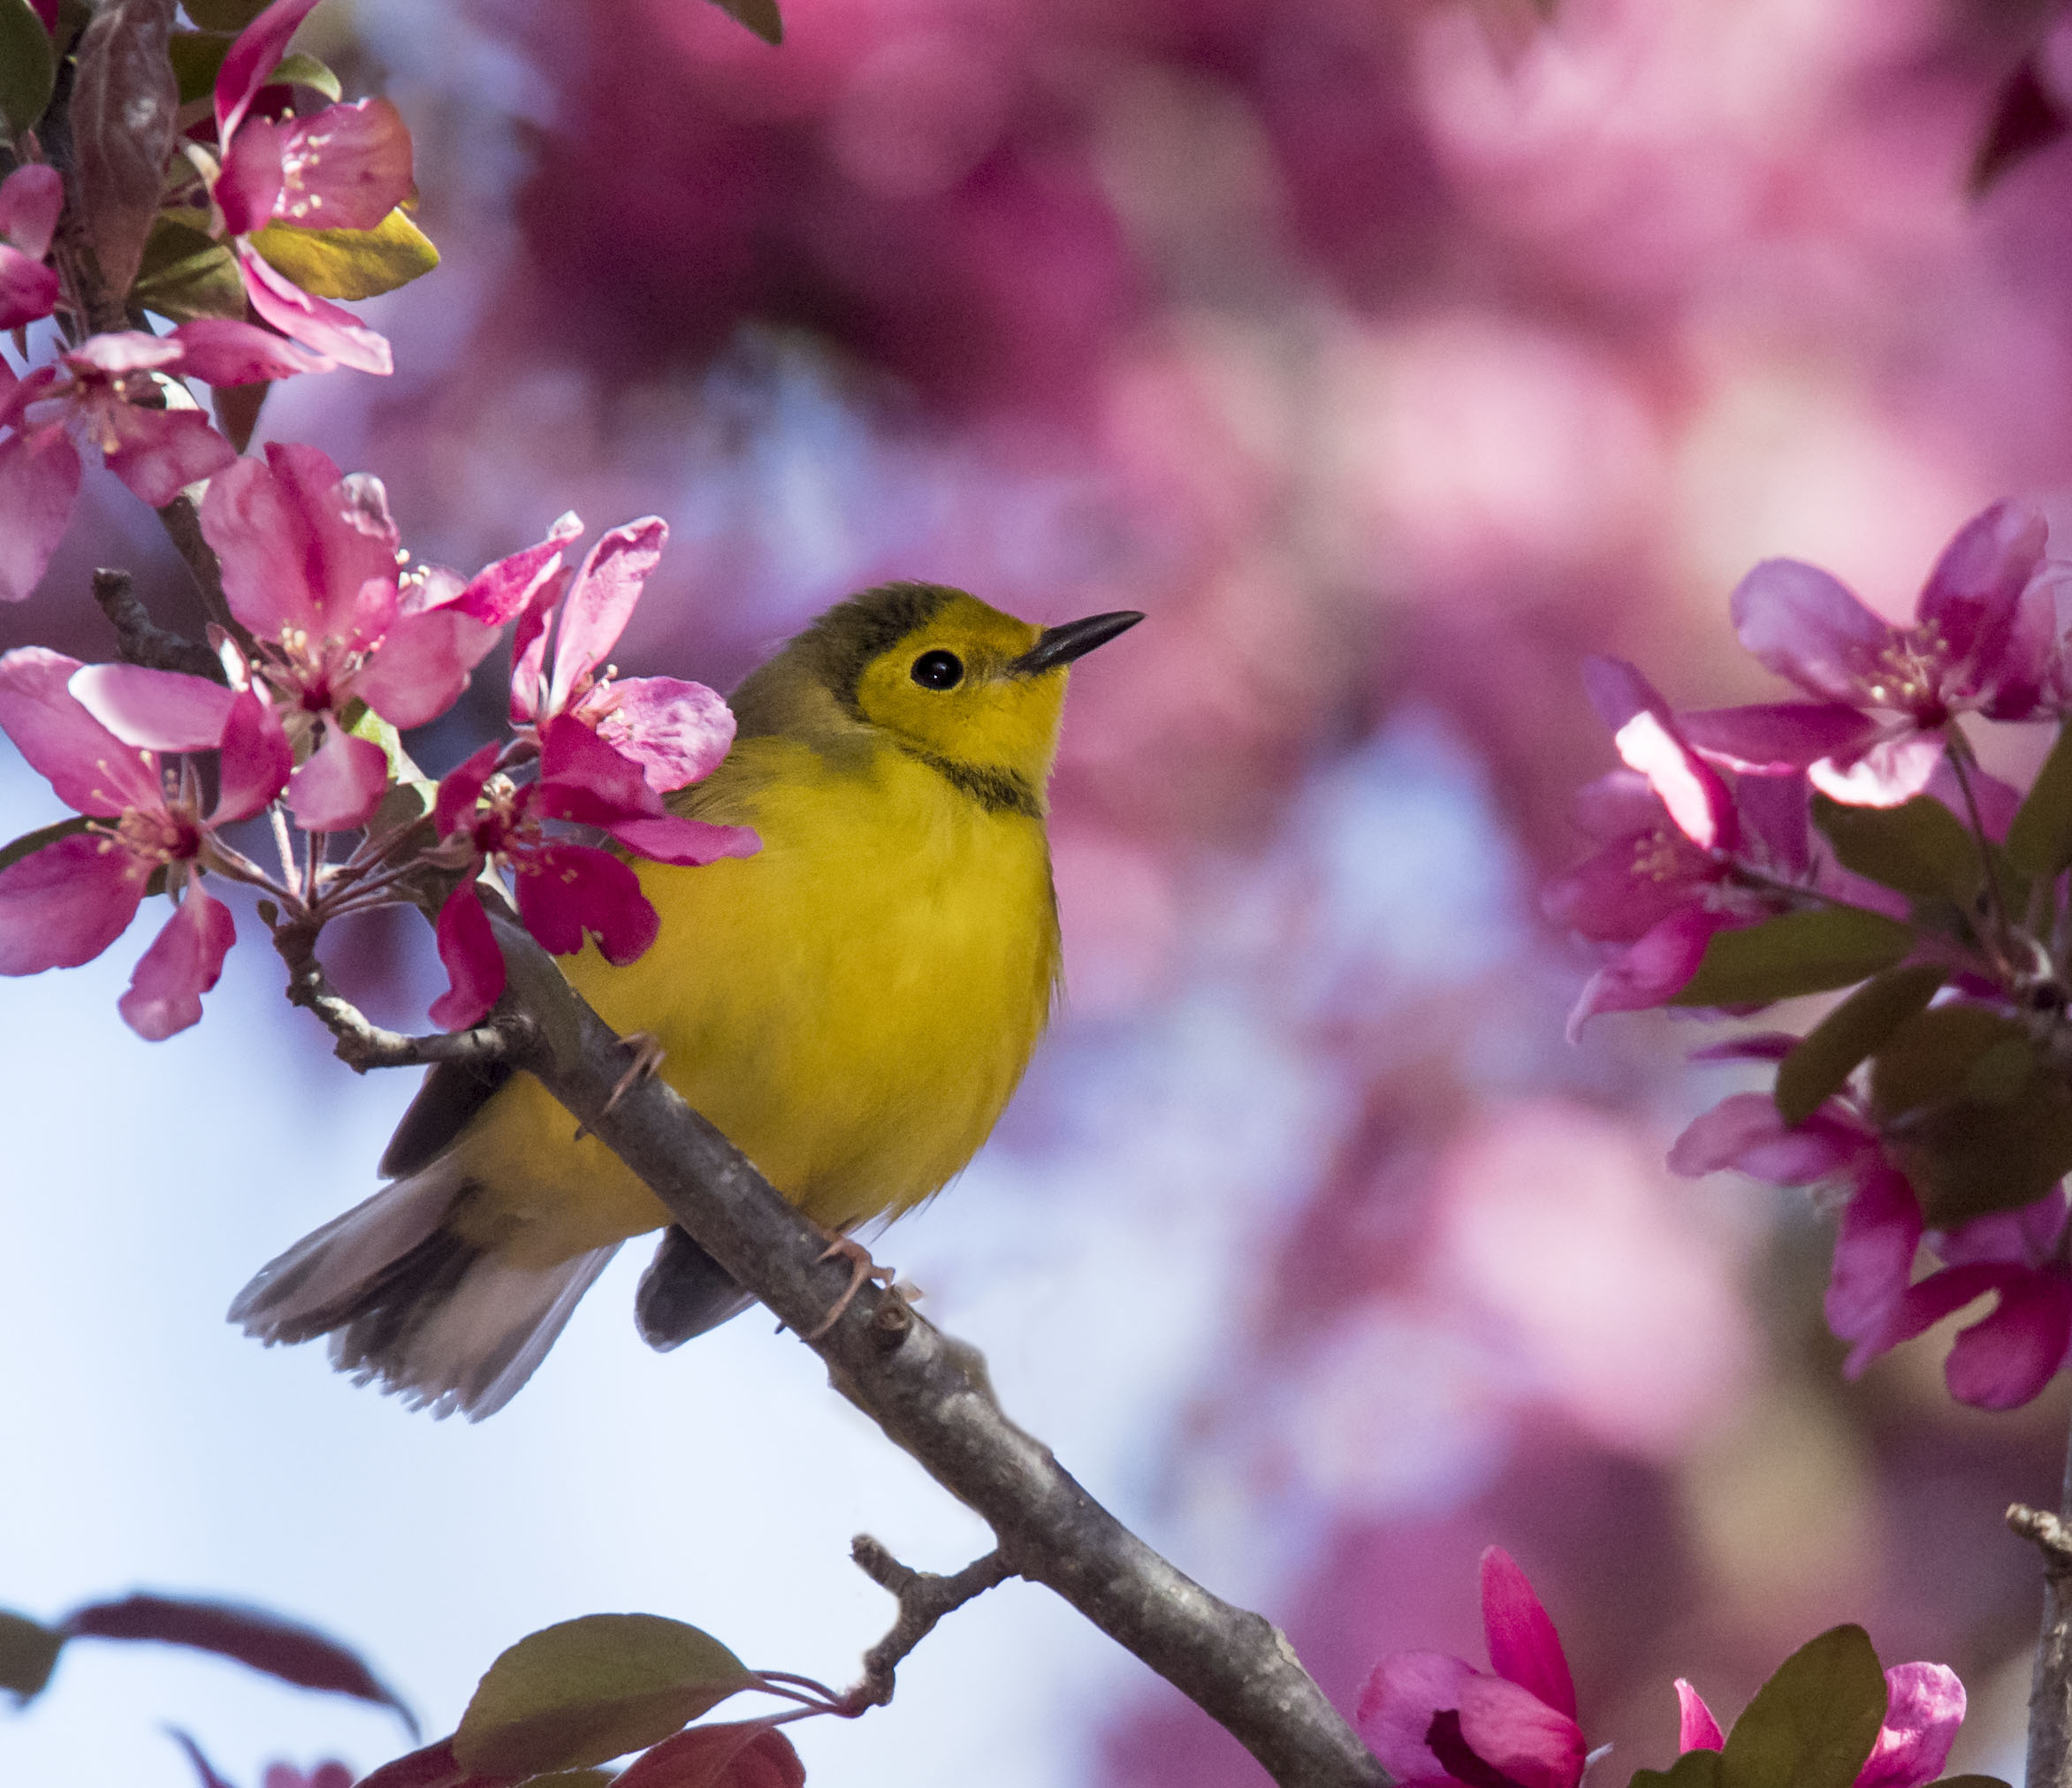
x=452 y=1093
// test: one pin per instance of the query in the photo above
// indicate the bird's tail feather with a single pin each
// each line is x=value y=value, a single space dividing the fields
x=441 y=1323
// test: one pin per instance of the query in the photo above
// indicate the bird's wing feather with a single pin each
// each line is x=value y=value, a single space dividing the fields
x=451 y=1094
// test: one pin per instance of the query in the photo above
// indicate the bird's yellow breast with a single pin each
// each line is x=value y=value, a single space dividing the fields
x=852 y=1006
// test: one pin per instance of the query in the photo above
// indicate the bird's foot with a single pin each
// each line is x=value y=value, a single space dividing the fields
x=648 y=1054
x=861 y=1270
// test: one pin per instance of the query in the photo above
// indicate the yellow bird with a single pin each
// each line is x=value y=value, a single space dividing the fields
x=852 y=1006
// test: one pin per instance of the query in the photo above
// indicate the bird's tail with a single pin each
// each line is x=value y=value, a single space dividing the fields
x=441 y=1323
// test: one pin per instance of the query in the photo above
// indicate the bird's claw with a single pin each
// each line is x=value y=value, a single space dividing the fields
x=863 y=1269
x=648 y=1054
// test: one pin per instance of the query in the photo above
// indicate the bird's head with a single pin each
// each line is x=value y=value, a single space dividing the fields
x=948 y=678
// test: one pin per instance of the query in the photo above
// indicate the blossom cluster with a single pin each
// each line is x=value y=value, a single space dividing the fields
x=344 y=644
x=1437 y=1721
x=263 y=212
x=1852 y=839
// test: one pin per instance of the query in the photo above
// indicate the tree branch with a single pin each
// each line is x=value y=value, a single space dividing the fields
x=930 y=1395
x=2050 y=1683
x=923 y=1599
x=362 y=1044
x=141 y=641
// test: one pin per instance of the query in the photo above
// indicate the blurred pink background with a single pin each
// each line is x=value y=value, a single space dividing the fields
x=1392 y=357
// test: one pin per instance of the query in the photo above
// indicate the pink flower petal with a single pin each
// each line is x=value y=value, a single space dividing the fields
x=1777 y=822
x=1652 y=970
x=1746 y=1132
x=257 y=52
x=1524 y=1648
x=2028 y=1236
x=461 y=789
x=314 y=321
x=1772 y=738
x=422 y=666
x=39 y=480
x=528 y=645
x=31 y=199
x=1646 y=738
x=163 y=711
x=1513 y=1731
x=346 y=168
x=1894 y=771
x=64 y=904
x=1970 y=599
x=1616 y=806
x=122 y=352
x=183 y=964
x=499 y=592
x=1396 y=1708
x=2005 y=1360
x=1924 y=1708
x=1696 y=1730
x=295 y=552
x=676 y=731
x=565 y=890
x=1998 y=803
x=474 y=964
x=1626 y=889
x=1754 y=1045
x=602 y=601
x=249 y=186
x=28 y=290
x=159 y=454
x=583 y=779
x=340 y=785
x=1874 y=1249
x=1808 y=627
x=223 y=352
x=256 y=760
x=667 y=839
x=92 y=769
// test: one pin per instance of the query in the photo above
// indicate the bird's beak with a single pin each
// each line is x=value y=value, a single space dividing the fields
x=1060 y=645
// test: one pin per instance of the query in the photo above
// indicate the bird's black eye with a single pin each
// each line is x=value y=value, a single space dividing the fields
x=938 y=670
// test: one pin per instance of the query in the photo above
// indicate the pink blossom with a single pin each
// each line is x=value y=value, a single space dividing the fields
x=99 y=734
x=1436 y=1722
x=30 y=200
x=677 y=732
x=311 y=568
x=564 y=890
x=344 y=168
x=1924 y=1707
x=1983 y=642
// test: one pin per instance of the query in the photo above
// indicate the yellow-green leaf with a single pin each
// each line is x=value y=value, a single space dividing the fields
x=28 y=1654
x=1919 y=848
x=2040 y=841
x=588 y=1690
x=1830 y=1052
x=349 y=264
x=1813 y=1724
x=197 y=58
x=760 y=16
x=185 y=274
x=1693 y=1769
x=302 y=70
x=28 y=67
x=1810 y=951
x=224 y=15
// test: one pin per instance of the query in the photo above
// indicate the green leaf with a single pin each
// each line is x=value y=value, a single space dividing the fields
x=30 y=842
x=1919 y=848
x=28 y=1654
x=185 y=274
x=349 y=264
x=760 y=17
x=124 y=106
x=368 y=724
x=1693 y=1769
x=1830 y=1052
x=1811 y=952
x=1813 y=1724
x=29 y=68
x=301 y=69
x=587 y=1690
x=2040 y=842
x=1973 y=1114
x=1967 y=1782
x=224 y=15
x=197 y=58
x=571 y=1778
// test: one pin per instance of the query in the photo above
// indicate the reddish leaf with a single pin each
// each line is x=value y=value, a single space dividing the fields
x=284 y=1648
x=2026 y=117
x=433 y=1766
x=747 y=1753
x=124 y=104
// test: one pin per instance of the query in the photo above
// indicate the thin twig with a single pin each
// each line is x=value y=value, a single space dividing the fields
x=182 y=522
x=141 y=641
x=363 y=1044
x=923 y=1599
x=2050 y=1683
